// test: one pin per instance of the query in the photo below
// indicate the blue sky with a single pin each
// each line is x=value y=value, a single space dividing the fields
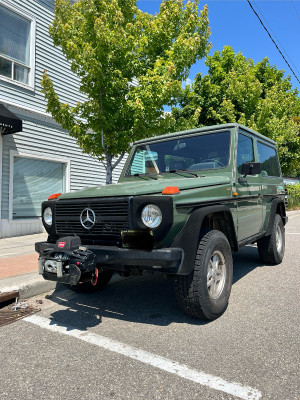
x=234 y=23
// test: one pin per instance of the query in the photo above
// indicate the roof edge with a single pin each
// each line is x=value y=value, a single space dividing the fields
x=205 y=129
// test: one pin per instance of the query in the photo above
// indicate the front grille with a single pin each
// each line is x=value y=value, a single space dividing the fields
x=111 y=218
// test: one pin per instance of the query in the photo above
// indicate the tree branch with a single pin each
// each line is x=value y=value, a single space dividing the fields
x=118 y=160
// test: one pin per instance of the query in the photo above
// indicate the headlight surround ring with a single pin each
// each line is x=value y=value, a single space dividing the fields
x=47 y=216
x=151 y=216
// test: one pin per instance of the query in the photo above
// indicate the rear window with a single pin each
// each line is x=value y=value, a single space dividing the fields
x=268 y=159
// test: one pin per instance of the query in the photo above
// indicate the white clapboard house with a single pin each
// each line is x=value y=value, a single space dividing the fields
x=37 y=158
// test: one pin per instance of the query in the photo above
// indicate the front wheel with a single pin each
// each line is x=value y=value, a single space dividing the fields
x=205 y=292
x=271 y=248
x=100 y=279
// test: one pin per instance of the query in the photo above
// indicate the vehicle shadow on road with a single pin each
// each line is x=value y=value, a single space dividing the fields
x=245 y=261
x=147 y=299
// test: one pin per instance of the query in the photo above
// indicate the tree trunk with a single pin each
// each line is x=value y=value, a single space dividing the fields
x=110 y=166
x=109 y=169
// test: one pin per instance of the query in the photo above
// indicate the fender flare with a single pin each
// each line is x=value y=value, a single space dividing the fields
x=274 y=206
x=188 y=238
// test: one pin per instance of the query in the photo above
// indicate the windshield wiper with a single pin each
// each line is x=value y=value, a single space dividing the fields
x=143 y=176
x=177 y=171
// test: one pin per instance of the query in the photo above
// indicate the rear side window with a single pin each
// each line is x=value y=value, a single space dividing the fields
x=245 y=151
x=268 y=159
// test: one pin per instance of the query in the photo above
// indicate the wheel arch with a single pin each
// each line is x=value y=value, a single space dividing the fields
x=277 y=207
x=201 y=220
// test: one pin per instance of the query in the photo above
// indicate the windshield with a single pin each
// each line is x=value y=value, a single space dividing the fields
x=210 y=151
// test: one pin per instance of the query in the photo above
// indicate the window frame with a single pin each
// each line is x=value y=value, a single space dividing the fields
x=251 y=137
x=31 y=75
x=185 y=136
x=278 y=163
x=14 y=153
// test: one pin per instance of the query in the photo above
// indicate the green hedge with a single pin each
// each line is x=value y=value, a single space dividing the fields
x=293 y=195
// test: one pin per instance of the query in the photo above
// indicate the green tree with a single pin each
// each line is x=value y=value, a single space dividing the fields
x=256 y=95
x=111 y=43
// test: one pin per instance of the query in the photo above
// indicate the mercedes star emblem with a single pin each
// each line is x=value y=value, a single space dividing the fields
x=87 y=218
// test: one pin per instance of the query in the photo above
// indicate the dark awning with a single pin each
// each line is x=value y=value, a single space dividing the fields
x=9 y=123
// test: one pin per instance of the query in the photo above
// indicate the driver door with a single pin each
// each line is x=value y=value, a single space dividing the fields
x=249 y=200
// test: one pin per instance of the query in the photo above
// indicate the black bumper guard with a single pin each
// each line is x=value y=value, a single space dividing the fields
x=69 y=264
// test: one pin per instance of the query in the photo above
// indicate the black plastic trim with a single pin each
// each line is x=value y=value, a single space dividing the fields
x=165 y=203
x=188 y=238
x=162 y=260
x=51 y=230
x=251 y=239
x=274 y=205
x=277 y=195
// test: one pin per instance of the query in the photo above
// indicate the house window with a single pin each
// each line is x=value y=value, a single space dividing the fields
x=34 y=180
x=15 y=46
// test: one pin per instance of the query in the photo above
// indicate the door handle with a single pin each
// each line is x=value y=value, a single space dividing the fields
x=242 y=180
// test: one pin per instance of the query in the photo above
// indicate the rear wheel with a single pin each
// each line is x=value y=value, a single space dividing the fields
x=205 y=292
x=271 y=248
x=100 y=279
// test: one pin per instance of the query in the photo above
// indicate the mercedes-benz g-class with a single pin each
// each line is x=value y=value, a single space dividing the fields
x=184 y=202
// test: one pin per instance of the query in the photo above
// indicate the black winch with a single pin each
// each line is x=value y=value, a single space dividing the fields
x=67 y=261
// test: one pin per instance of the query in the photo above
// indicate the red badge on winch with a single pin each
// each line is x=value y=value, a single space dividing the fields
x=61 y=244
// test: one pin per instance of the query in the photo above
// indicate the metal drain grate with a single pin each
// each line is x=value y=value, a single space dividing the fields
x=8 y=316
x=11 y=309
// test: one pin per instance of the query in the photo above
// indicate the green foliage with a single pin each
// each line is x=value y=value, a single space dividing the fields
x=256 y=95
x=110 y=43
x=294 y=195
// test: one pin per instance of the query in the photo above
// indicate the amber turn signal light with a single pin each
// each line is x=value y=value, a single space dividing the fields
x=54 y=196
x=171 y=190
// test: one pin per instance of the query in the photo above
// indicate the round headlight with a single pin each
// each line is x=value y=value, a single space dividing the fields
x=151 y=216
x=47 y=216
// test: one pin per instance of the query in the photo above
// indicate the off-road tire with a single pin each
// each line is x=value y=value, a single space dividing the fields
x=192 y=291
x=269 y=250
x=87 y=287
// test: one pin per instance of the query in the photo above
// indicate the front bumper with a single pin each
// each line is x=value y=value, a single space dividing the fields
x=166 y=260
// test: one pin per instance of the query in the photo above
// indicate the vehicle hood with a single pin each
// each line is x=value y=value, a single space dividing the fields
x=144 y=187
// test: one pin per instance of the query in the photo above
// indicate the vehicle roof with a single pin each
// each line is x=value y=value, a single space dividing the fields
x=206 y=129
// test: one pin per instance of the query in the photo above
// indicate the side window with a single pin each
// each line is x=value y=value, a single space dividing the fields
x=268 y=159
x=245 y=151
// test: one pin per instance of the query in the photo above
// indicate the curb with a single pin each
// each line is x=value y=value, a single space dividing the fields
x=33 y=284
x=28 y=285
x=293 y=212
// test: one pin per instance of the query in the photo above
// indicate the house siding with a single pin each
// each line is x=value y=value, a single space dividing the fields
x=47 y=57
x=51 y=142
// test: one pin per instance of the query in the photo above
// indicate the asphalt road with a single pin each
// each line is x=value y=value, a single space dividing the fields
x=132 y=342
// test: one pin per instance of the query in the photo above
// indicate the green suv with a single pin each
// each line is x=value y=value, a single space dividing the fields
x=184 y=202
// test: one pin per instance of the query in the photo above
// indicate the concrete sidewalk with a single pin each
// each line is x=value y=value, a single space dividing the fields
x=17 y=255
x=19 y=265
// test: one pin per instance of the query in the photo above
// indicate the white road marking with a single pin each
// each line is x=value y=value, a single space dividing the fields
x=292 y=233
x=165 y=364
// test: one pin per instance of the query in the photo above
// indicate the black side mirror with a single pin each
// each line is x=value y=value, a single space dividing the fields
x=251 y=168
